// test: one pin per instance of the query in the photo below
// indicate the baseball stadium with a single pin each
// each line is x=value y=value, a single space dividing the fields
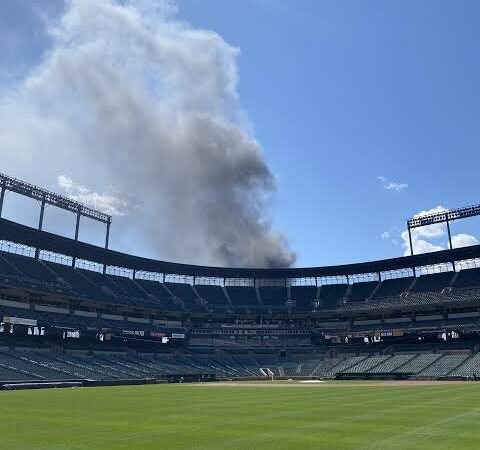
x=239 y=225
x=346 y=356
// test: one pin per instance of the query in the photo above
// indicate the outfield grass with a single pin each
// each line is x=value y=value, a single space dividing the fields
x=175 y=417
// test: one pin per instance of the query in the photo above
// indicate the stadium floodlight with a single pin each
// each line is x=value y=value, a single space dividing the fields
x=46 y=197
x=441 y=217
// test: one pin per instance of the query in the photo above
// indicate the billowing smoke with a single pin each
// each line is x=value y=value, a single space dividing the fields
x=138 y=113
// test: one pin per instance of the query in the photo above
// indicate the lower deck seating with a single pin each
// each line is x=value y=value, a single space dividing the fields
x=346 y=364
x=443 y=365
x=392 y=364
x=418 y=363
x=40 y=365
x=470 y=368
x=367 y=364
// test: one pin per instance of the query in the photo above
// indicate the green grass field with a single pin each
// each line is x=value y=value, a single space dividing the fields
x=175 y=417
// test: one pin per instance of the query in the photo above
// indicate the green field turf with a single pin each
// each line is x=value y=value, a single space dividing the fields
x=175 y=417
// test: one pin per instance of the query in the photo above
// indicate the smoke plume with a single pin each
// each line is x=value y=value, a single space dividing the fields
x=138 y=113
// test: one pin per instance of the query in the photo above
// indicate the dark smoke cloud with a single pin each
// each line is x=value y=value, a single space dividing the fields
x=137 y=113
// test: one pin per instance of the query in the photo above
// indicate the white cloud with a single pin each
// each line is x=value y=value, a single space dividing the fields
x=392 y=185
x=419 y=245
x=385 y=235
x=464 y=240
x=109 y=204
x=430 y=231
x=390 y=234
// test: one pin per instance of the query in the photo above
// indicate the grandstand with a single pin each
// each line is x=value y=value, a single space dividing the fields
x=73 y=311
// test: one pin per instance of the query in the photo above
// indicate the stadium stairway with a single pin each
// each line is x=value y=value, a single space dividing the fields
x=367 y=364
x=328 y=368
x=392 y=364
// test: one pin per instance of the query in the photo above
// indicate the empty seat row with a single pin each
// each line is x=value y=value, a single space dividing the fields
x=439 y=288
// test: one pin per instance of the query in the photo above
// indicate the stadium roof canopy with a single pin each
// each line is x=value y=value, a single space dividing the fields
x=21 y=234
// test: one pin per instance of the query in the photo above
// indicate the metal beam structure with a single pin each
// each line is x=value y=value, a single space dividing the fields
x=41 y=240
x=45 y=198
x=444 y=216
x=441 y=217
x=60 y=201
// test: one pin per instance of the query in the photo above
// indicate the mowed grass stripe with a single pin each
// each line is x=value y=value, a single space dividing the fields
x=201 y=418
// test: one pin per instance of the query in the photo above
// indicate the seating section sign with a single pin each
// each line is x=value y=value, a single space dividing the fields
x=19 y=321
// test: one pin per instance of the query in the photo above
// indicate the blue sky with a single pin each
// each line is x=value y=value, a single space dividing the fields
x=338 y=94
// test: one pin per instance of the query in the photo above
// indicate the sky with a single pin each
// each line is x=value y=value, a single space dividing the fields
x=365 y=112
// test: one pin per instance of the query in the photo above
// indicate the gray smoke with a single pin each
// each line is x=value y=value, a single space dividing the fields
x=137 y=113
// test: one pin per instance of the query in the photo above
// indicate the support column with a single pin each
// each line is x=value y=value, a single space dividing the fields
x=42 y=212
x=77 y=231
x=107 y=234
x=449 y=235
x=410 y=240
x=2 y=197
x=411 y=247
x=107 y=238
x=40 y=224
x=450 y=243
